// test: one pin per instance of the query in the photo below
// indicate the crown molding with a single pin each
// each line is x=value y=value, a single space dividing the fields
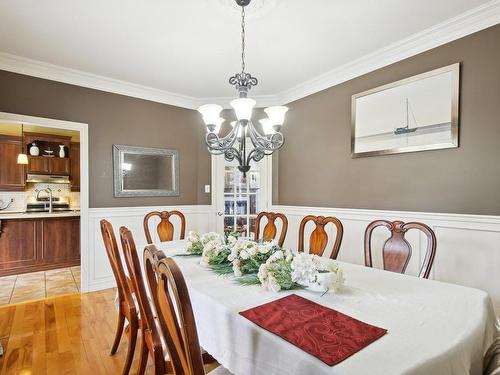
x=474 y=20
x=34 y=68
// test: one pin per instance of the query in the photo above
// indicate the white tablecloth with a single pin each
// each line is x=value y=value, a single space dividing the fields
x=434 y=328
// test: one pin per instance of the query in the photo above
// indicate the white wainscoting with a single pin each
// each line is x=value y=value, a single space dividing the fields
x=468 y=246
x=96 y=272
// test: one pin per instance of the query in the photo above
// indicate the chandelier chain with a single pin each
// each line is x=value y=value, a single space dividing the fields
x=242 y=39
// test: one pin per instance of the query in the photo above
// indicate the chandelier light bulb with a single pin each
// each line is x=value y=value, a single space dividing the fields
x=211 y=114
x=218 y=124
x=243 y=108
x=276 y=115
x=267 y=126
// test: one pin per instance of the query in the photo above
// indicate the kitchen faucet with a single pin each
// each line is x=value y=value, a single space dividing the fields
x=49 y=191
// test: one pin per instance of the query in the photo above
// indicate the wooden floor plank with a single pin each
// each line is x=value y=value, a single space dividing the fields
x=70 y=334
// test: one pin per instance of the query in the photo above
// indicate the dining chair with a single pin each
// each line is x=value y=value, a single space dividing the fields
x=492 y=359
x=151 y=344
x=319 y=237
x=126 y=303
x=270 y=230
x=175 y=314
x=165 y=228
x=396 y=251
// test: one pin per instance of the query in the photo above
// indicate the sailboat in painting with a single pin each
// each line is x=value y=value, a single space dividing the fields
x=406 y=129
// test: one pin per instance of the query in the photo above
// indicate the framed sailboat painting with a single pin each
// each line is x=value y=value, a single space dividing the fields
x=414 y=114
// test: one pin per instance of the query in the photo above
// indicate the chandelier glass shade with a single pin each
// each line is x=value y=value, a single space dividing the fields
x=233 y=145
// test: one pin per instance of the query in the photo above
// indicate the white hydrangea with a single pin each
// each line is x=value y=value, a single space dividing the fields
x=266 y=247
x=211 y=236
x=272 y=284
x=304 y=269
x=317 y=273
x=193 y=236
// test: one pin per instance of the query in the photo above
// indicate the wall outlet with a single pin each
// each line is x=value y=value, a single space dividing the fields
x=207 y=188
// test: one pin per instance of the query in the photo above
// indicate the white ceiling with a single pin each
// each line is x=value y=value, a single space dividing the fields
x=191 y=47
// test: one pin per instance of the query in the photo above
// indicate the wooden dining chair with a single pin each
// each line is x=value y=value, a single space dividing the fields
x=270 y=230
x=126 y=305
x=165 y=228
x=396 y=251
x=175 y=314
x=319 y=237
x=492 y=359
x=151 y=341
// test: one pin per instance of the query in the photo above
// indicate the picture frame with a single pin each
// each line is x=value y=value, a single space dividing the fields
x=418 y=113
x=145 y=171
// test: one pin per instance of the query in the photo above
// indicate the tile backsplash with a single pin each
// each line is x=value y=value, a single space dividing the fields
x=21 y=198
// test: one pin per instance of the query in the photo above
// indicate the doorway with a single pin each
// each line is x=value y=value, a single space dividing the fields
x=50 y=272
x=239 y=199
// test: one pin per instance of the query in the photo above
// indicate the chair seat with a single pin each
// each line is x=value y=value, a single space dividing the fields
x=220 y=371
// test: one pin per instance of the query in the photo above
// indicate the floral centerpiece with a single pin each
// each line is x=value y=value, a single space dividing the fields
x=264 y=263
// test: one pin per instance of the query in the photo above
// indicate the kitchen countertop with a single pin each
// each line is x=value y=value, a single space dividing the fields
x=35 y=215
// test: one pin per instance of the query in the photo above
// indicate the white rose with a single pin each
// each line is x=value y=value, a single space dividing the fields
x=244 y=255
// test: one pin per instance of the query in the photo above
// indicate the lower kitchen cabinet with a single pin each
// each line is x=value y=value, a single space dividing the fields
x=28 y=245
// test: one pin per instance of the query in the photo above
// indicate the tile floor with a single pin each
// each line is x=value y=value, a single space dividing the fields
x=36 y=285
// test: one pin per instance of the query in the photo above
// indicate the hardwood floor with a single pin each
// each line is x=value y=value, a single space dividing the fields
x=71 y=334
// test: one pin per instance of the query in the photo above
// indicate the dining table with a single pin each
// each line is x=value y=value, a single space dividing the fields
x=433 y=328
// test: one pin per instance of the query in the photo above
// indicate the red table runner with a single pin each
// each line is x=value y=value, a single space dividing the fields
x=320 y=331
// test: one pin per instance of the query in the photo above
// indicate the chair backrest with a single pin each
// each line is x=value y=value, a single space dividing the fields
x=319 y=237
x=122 y=281
x=396 y=251
x=134 y=270
x=270 y=230
x=175 y=314
x=165 y=228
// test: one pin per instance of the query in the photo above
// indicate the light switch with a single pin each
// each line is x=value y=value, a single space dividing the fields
x=207 y=188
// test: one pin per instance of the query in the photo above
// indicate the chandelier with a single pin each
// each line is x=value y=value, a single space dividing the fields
x=263 y=143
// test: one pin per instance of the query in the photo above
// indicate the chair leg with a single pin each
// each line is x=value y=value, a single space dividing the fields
x=159 y=361
x=133 y=329
x=119 y=331
x=143 y=361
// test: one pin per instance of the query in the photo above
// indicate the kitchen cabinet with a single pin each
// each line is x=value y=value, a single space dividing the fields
x=38 y=164
x=12 y=176
x=60 y=166
x=48 y=165
x=45 y=165
x=74 y=156
x=36 y=244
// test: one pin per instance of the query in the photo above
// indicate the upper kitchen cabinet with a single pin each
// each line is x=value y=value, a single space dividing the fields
x=48 y=160
x=12 y=176
x=74 y=155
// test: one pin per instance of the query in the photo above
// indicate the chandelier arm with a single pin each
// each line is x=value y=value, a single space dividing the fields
x=268 y=143
x=231 y=154
x=215 y=143
x=256 y=155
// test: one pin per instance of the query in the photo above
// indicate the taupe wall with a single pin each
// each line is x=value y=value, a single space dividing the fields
x=315 y=166
x=116 y=119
